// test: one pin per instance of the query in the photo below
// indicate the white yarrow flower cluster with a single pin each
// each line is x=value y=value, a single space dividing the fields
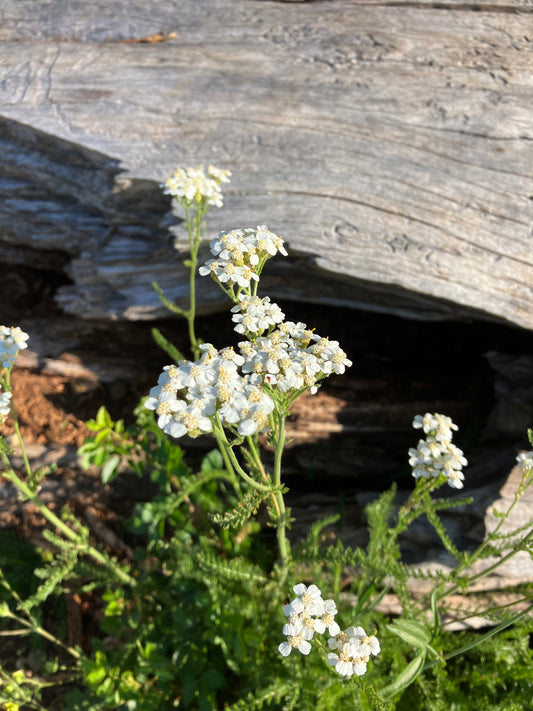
x=12 y=340
x=196 y=184
x=436 y=454
x=5 y=400
x=189 y=395
x=525 y=462
x=351 y=651
x=241 y=254
x=254 y=315
x=292 y=357
x=307 y=613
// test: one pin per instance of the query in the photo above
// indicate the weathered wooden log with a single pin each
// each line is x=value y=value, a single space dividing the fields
x=390 y=143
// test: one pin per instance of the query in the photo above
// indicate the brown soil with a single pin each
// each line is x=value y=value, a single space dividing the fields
x=43 y=418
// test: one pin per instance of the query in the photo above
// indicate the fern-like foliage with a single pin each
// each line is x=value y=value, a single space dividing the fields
x=54 y=574
x=246 y=507
x=445 y=539
x=4 y=447
x=235 y=570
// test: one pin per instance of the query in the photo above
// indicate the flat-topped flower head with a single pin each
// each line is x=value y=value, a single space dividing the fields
x=351 y=651
x=241 y=252
x=437 y=426
x=292 y=357
x=254 y=315
x=196 y=185
x=12 y=340
x=189 y=395
x=436 y=454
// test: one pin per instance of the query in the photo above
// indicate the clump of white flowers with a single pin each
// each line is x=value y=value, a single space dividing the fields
x=12 y=340
x=292 y=357
x=254 y=315
x=191 y=395
x=197 y=185
x=525 y=462
x=278 y=361
x=308 y=614
x=352 y=650
x=240 y=256
x=436 y=454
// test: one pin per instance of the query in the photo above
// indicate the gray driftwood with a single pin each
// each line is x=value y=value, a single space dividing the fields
x=390 y=143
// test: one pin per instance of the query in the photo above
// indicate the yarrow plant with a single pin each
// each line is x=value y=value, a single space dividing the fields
x=245 y=393
x=191 y=617
x=196 y=190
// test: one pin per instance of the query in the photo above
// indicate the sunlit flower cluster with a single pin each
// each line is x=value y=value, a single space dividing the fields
x=241 y=254
x=5 y=400
x=254 y=315
x=12 y=340
x=351 y=651
x=309 y=614
x=436 y=454
x=292 y=357
x=190 y=395
x=525 y=462
x=190 y=185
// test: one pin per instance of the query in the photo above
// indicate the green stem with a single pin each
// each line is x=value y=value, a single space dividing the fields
x=259 y=464
x=221 y=438
x=256 y=457
x=190 y=314
x=229 y=466
x=37 y=629
x=6 y=382
x=486 y=571
x=69 y=534
x=27 y=466
x=282 y=520
x=483 y=638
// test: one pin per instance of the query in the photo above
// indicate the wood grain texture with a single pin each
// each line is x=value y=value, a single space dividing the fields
x=390 y=143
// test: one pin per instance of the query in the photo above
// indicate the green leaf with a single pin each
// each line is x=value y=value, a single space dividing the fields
x=110 y=469
x=103 y=418
x=101 y=437
x=366 y=603
x=405 y=678
x=167 y=346
x=212 y=462
x=411 y=632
